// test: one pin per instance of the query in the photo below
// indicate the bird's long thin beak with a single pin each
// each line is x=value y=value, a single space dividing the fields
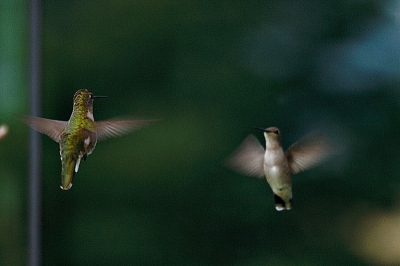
x=98 y=96
x=259 y=128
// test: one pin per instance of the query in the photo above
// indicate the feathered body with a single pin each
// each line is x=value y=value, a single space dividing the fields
x=78 y=136
x=276 y=165
x=277 y=172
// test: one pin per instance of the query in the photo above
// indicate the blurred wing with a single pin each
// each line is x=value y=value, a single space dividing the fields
x=248 y=158
x=115 y=128
x=307 y=152
x=52 y=128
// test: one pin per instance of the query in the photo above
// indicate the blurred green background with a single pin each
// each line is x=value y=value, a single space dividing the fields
x=211 y=70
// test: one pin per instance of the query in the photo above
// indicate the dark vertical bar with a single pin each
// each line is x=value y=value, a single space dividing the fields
x=34 y=203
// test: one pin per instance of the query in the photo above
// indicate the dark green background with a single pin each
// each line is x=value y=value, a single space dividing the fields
x=211 y=71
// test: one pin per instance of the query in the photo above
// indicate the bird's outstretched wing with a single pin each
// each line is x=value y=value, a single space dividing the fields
x=248 y=158
x=307 y=152
x=51 y=128
x=115 y=128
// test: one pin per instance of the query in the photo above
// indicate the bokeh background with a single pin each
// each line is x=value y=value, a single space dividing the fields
x=211 y=71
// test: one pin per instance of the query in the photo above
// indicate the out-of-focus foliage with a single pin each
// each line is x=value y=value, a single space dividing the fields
x=13 y=142
x=211 y=71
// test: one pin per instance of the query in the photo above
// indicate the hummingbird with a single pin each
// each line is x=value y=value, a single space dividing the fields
x=78 y=136
x=277 y=166
x=3 y=131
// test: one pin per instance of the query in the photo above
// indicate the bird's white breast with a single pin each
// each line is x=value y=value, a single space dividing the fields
x=275 y=165
x=90 y=115
x=87 y=141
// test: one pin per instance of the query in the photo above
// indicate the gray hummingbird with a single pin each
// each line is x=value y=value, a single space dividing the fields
x=78 y=136
x=277 y=166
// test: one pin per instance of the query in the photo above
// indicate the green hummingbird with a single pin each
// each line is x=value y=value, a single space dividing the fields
x=277 y=166
x=78 y=136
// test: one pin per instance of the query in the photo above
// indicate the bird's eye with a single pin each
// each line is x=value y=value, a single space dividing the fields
x=276 y=132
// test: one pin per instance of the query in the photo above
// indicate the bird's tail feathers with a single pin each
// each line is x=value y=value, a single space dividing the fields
x=67 y=173
x=281 y=205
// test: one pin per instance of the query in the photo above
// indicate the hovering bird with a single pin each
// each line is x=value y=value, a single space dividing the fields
x=274 y=164
x=78 y=136
x=3 y=131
